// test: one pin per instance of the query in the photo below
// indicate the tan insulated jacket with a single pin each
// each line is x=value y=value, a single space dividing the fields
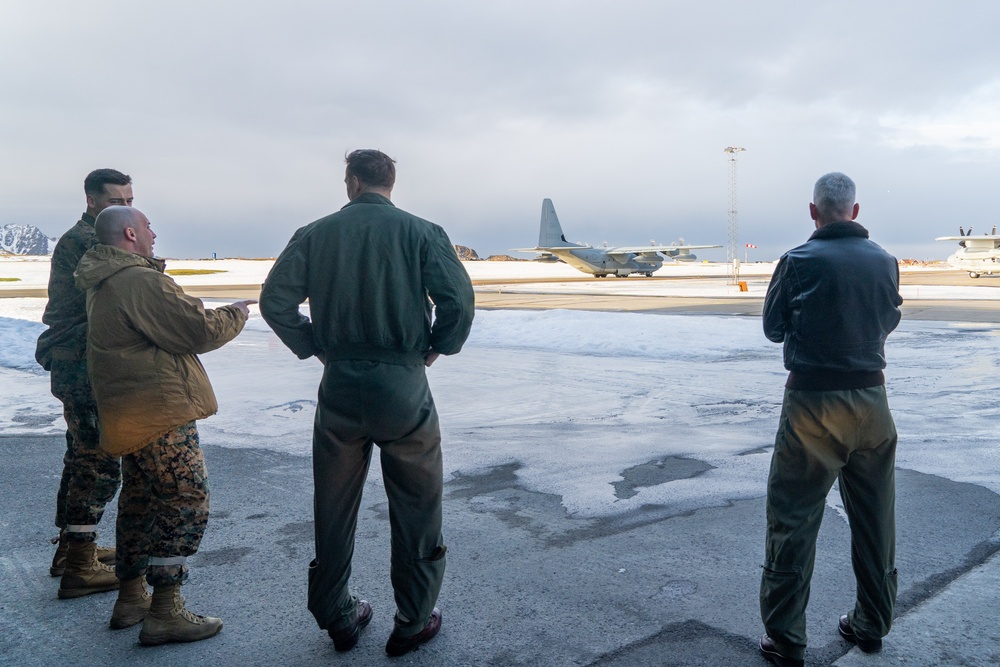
x=143 y=338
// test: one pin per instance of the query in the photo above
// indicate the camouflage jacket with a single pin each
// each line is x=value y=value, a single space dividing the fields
x=66 y=312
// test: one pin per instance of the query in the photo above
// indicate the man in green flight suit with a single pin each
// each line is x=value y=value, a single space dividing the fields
x=367 y=272
x=90 y=476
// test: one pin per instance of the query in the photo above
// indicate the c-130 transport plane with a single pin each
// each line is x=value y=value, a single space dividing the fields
x=601 y=262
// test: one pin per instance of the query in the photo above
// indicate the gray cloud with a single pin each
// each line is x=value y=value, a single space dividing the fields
x=233 y=117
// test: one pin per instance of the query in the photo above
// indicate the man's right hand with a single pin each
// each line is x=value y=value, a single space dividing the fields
x=244 y=306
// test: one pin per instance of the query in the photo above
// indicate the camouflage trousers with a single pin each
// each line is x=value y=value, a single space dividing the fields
x=90 y=477
x=163 y=507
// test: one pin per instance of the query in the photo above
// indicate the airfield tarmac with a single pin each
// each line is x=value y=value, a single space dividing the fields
x=528 y=583
x=538 y=293
x=490 y=294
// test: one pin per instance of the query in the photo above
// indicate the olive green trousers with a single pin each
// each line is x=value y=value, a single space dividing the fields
x=826 y=436
x=361 y=404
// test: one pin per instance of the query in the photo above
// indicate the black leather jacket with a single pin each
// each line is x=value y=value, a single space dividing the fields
x=833 y=301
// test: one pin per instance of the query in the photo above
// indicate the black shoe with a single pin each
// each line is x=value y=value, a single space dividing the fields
x=770 y=651
x=347 y=638
x=866 y=645
x=397 y=646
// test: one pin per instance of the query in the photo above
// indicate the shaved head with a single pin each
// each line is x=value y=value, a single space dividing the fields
x=112 y=222
x=126 y=228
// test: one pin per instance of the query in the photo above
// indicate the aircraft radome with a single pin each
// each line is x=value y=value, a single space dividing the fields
x=978 y=254
x=601 y=262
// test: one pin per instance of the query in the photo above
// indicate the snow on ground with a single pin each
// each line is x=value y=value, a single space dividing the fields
x=31 y=271
x=575 y=399
x=34 y=271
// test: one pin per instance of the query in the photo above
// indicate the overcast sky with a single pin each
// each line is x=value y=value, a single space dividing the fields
x=233 y=118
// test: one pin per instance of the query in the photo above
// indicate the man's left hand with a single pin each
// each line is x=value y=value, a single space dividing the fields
x=430 y=358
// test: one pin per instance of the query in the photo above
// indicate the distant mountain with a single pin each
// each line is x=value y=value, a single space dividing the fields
x=466 y=254
x=23 y=240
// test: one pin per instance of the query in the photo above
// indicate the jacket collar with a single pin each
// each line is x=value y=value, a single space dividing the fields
x=157 y=264
x=154 y=263
x=368 y=198
x=839 y=230
x=88 y=218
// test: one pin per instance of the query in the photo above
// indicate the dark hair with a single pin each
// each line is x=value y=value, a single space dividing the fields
x=97 y=179
x=372 y=167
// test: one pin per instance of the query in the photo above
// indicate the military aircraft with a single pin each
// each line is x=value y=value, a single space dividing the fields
x=601 y=262
x=977 y=254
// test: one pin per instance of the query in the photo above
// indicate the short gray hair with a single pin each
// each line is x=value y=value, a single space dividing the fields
x=834 y=196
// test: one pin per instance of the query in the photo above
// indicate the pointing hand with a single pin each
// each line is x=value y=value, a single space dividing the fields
x=243 y=306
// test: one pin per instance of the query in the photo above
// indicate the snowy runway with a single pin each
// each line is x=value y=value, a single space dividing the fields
x=581 y=402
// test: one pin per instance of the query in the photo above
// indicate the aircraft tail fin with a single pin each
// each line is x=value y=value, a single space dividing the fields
x=550 y=233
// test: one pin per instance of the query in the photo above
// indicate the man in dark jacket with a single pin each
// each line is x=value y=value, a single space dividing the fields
x=90 y=477
x=832 y=301
x=367 y=271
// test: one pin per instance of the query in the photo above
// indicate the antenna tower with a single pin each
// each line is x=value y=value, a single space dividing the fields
x=732 y=250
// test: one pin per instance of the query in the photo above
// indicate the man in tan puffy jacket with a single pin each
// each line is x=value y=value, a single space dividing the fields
x=142 y=344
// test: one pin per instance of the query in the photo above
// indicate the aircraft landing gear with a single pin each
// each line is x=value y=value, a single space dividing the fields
x=973 y=274
x=649 y=274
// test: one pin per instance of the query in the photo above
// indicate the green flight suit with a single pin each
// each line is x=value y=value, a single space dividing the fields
x=367 y=272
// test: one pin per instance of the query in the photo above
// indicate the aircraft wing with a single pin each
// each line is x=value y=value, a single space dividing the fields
x=555 y=250
x=657 y=248
x=544 y=254
x=985 y=241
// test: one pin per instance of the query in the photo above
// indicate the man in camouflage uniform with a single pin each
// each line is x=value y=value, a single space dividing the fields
x=142 y=345
x=90 y=477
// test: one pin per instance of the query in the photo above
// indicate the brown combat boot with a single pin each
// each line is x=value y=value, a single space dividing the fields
x=85 y=574
x=132 y=603
x=168 y=621
x=104 y=554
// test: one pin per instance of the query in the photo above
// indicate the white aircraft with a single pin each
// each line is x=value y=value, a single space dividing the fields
x=978 y=254
x=601 y=262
